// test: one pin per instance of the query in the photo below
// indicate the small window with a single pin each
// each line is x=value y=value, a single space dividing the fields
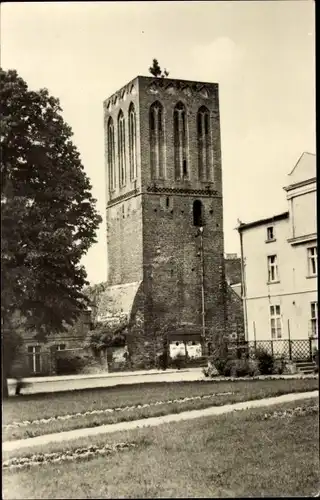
x=177 y=343
x=270 y=233
x=197 y=213
x=314 y=319
x=272 y=269
x=275 y=322
x=167 y=202
x=185 y=172
x=312 y=261
x=61 y=347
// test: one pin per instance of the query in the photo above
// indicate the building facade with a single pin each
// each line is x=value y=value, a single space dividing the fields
x=280 y=266
x=35 y=358
x=235 y=318
x=164 y=211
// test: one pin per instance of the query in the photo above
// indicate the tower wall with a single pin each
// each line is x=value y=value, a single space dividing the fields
x=151 y=233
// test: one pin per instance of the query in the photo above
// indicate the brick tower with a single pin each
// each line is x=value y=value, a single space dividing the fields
x=164 y=210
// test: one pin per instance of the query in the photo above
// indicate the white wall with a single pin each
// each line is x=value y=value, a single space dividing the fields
x=301 y=206
x=296 y=289
x=295 y=308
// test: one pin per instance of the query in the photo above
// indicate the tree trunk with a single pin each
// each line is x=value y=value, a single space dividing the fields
x=5 y=391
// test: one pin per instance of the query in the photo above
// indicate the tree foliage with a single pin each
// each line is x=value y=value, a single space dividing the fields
x=106 y=335
x=49 y=217
x=156 y=70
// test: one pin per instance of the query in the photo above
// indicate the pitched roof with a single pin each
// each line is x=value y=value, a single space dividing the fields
x=261 y=222
x=117 y=301
x=304 y=169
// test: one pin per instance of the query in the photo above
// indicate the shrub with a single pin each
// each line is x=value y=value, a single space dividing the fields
x=210 y=370
x=279 y=366
x=162 y=361
x=316 y=359
x=223 y=364
x=240 y=368
x=178 y=362
x=71 y=363
x=265 y=362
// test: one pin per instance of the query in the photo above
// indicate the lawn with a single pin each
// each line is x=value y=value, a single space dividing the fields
x=233 y=455
x=31 y=407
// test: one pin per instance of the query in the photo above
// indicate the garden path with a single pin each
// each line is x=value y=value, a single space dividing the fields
x=153 y=421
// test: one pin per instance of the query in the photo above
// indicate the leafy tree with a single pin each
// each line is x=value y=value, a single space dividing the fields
x=49 y=217
x=156 y=71
x=105 y=335
x=93 y=293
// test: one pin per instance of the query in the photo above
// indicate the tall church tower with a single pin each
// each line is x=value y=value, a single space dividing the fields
x=164 y=209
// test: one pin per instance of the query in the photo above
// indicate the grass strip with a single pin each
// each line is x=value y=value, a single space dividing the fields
x=233 y=455
x=242 y=391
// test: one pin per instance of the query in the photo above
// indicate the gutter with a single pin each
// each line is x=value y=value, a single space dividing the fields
x=243 y=285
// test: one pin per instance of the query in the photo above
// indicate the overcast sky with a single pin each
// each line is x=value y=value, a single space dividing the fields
x=261 y=53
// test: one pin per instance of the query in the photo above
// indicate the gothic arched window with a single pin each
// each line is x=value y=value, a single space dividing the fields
x=121 y=149
x=111 y=155
x=197 y=213
x=156 y=140
x=132 y=142
x=180 y=141
x=204 y=143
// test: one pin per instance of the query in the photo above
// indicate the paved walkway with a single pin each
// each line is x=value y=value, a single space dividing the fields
x=78 y=382
x=153 y=421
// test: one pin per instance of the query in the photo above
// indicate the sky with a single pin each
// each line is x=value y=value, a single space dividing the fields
x=261 y=53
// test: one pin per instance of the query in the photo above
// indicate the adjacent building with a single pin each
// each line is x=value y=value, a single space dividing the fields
x=38 y=358
x=280 y=265
x=234 y=305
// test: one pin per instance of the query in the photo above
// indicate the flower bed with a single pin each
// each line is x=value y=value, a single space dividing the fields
x=25 y=423
x=79 y=453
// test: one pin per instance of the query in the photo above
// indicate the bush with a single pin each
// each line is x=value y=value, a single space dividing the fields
x=178 y=362
x=265 y=362
x=70 y=363
x=279 y=366
x=210 y=371
x=316 y=359
x=162 y=361
x=240 y=368
x=223 y=364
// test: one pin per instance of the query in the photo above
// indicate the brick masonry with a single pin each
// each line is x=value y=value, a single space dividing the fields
x=150 y=232
x=72 y=338
x=235 y=320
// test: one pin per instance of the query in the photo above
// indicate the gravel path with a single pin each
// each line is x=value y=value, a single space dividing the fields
x=153 y=421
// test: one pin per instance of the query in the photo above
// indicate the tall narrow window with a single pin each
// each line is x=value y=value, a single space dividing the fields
x=34 y=358
x=197 y=213
x=312 y=261
x=122 y=149
x=273 y=274
x=204 y=144
x=111 y=155
x=275 y=322
x=156 y=141
x=314 y=319
x=180 y=141
x=132 y=142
